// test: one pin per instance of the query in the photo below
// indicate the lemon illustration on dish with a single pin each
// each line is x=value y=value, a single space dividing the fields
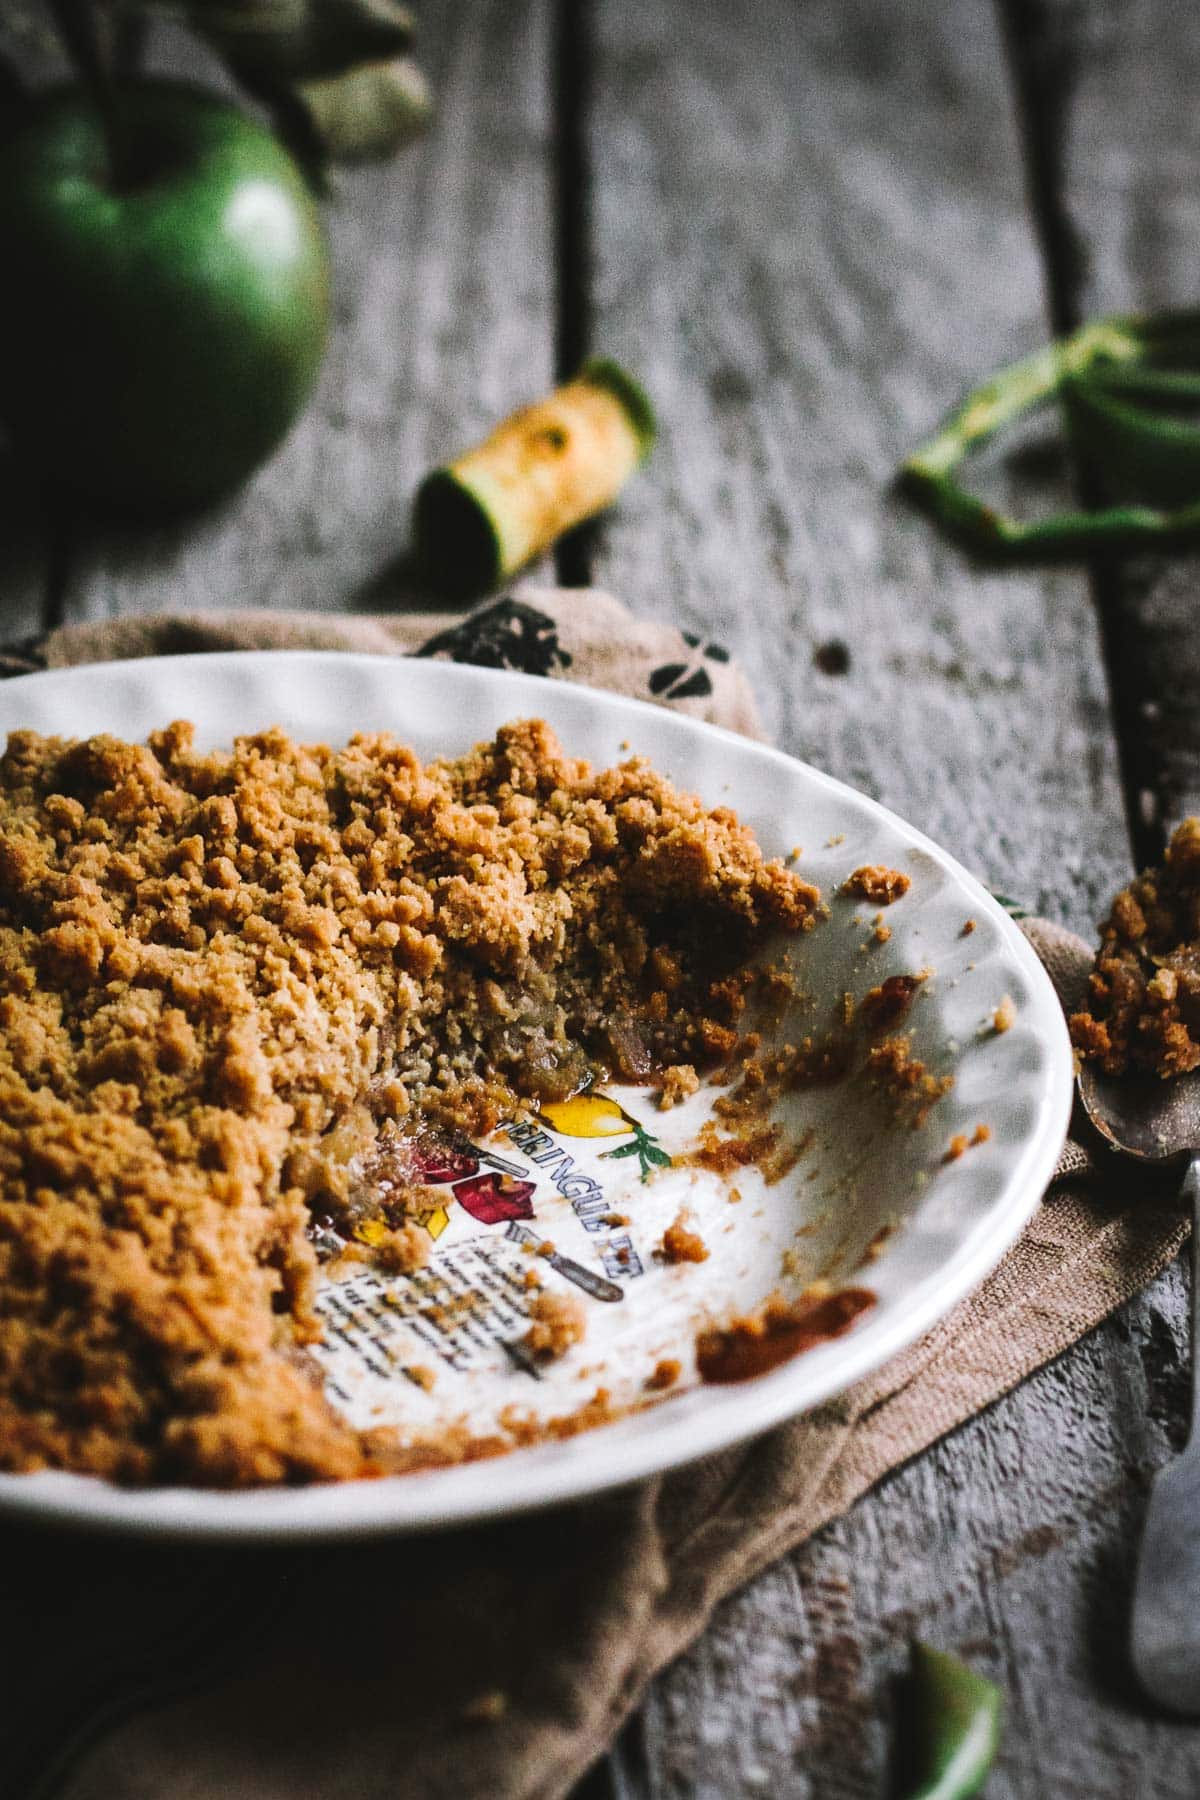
x=375 y=1232
x=587 y=1115
x=592 y=1114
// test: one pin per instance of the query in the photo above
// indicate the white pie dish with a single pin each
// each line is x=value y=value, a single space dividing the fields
x=953 y=1220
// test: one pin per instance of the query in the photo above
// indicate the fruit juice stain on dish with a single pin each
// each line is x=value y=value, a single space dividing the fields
x=777 y=1332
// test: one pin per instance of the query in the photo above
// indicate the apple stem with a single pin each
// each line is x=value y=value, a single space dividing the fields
x=78 y=26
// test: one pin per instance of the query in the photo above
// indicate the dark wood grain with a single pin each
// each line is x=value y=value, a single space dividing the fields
x=811 y=234
x=1108 y=92
x=30 y=560
x=26 y=550
x=444 y=322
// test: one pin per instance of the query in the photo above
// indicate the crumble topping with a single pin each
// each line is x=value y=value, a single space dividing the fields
x=678 y=1082
x=885 y=1006
x=915 y=1091
x=1143 y=1003
x=233 y=988
x=680 y=1244
x=559 y=1322
x=878 y=884
x=960 y=1143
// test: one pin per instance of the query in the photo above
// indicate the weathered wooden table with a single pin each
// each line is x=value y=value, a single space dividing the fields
x=808 y=227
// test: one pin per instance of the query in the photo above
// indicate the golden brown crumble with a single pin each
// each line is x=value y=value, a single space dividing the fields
x=234 y=986
x=892 y=1066
x=878 y=884
x=1005 y=1015
x=558 y=1323
x=678 y=1082
x=885 y=1006
x=402 y=1250
x=777 y=1331
x=960 y=1143
x=680 y=1244
x=1143 y=1004
x=665 y=1374
x=745 y=1148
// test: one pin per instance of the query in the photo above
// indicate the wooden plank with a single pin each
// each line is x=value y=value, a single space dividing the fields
x=444 y=308
x=811 y=235
x=28 y=566
x=25 y=551
x=1109 y=94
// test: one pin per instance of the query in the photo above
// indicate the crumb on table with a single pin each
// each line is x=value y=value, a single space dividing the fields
x=226 y=976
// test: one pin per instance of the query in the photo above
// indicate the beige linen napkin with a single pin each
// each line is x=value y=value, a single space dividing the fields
x=500 y=1661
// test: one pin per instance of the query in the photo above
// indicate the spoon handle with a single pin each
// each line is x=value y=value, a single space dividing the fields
x=1165 y=1626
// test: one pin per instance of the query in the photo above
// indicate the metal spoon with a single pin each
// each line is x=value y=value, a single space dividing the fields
x=1158 y=1122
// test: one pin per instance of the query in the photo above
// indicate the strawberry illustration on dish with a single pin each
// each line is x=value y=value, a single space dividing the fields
x=494 y=1199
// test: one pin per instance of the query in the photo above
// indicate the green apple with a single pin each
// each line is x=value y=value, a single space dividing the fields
x=160 y=330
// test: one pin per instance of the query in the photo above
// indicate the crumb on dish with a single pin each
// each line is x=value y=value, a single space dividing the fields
x=678 y=1083
x=914 y=1090
x=557 y=1323
x=879 y=884
x=884 y=1007
x=680 y=1244
x=1005 y=1015
x=960 y=1143
x=665 y=1374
